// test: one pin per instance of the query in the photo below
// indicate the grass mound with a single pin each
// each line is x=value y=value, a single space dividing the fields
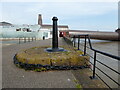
x=38 y=55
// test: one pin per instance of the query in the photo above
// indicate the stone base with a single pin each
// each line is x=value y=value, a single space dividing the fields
x=38 y=55
x=55 y=50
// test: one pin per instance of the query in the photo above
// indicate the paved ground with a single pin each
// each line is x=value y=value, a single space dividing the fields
x=13 y=77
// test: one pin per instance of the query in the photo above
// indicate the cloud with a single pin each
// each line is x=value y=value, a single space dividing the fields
x=67 y=12
x=72 y=9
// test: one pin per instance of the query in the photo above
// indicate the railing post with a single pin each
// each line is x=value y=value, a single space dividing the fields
x=74 y=41
x=19 y=40
x=24 y=39
x=28 y=39
x=32 y=38
x=94 y=66
x=78 y=42
x=85 y=46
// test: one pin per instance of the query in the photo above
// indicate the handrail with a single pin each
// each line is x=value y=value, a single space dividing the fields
x=101 y=62
x=112 y=56
x=95 y=60
x=25 y=39
x=109 y=55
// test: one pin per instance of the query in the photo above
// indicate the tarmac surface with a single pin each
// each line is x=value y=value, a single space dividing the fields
x=14 y=77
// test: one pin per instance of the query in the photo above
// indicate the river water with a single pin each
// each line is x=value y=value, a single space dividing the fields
x=110 y=47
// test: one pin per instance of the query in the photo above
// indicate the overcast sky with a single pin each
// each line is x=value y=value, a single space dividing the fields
x=79 y=15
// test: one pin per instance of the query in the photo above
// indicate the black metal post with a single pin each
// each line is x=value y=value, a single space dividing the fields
x=28 y=39
x=55 y=47
x=55 y=34
x=74 y=41
x=24 y=39
x=43 y=37
x=85 y=46
x=19 y=40
x=32 y=38
x=78 y=42
x=94 y=64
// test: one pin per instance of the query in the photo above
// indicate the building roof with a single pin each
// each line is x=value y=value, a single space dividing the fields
x=5 y=24
x=50 y=26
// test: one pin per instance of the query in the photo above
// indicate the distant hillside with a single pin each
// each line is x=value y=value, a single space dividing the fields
x=5 y=24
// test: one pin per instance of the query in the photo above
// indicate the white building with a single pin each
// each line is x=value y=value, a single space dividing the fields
x=8 y=30
x=62 y=29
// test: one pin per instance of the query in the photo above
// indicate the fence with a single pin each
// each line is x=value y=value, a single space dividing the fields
x=94 y=57
x=25 y=39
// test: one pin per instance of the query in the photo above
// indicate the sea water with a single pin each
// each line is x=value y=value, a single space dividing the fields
x=110 y=47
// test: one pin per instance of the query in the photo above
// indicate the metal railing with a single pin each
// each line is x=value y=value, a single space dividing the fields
x=26 y=39
x=86 y=36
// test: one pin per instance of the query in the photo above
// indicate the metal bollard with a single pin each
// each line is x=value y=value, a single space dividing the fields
x=55 y=34
x=55 y=38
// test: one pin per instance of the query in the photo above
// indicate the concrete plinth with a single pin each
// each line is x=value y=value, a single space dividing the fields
x=38 y=55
